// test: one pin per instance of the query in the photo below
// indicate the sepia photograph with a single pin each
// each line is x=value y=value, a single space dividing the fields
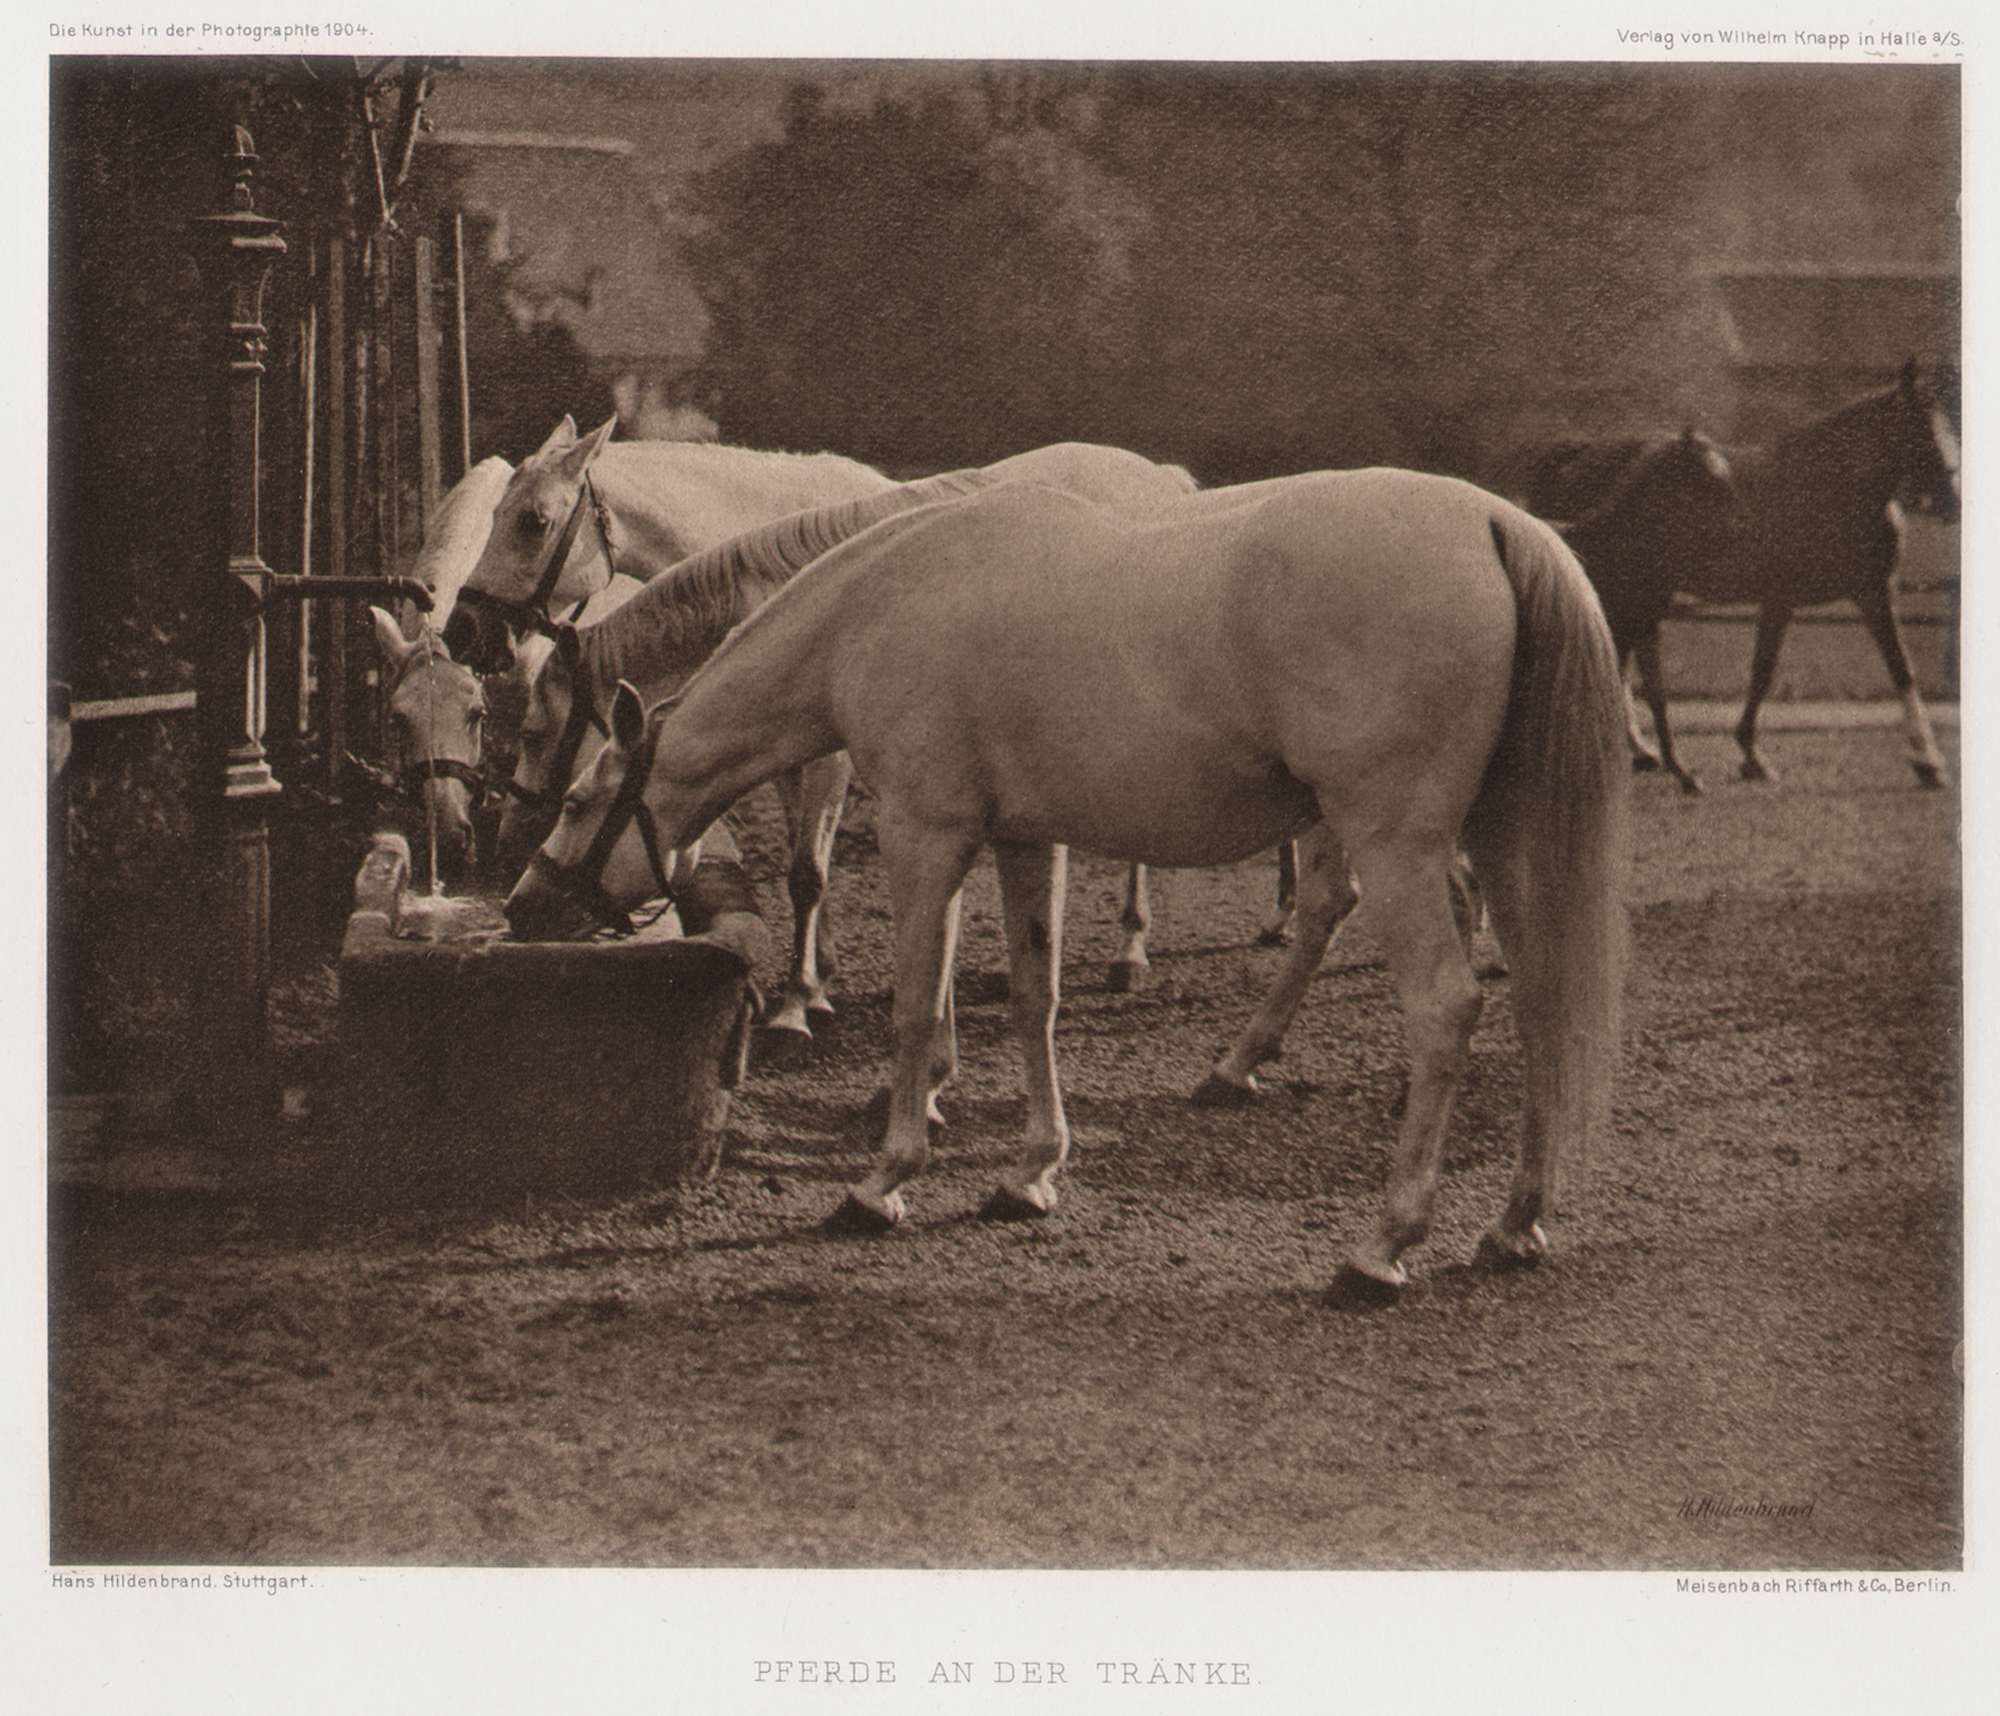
x=1164 y=842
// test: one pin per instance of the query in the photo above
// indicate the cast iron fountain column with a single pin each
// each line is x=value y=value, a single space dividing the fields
x=236 y=1101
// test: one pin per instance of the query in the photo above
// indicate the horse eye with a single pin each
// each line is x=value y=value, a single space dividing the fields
x=528 y=525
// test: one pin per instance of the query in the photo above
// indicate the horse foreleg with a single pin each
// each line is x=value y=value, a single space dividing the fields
x=1325 y=898
x=813 y=798
x=1772 y=619
x=1441 y=1004
x=1646 y=653
x=1878 y=612
x=1277 y=930
x=1128 y=970
x=1034 y=883
x=925 y=873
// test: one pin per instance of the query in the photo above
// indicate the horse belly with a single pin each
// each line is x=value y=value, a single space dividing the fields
x=1122 y=804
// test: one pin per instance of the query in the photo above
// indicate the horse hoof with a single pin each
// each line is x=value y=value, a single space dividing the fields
x=1690 y=786
x=1010 y=1203
x=1644 y=763
x=1274 y=935
x=1354 y=1289
x=1752 y=769
x=1928 y=775
x=784 y=1048
x=1503 y=1254
x=1215 y=1091
x=1126 y=977
x=866 y=1217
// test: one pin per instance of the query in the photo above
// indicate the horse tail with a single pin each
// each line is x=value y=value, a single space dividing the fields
x=1549 y=837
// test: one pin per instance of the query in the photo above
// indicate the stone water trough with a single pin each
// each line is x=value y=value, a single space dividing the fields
x=559 y=1066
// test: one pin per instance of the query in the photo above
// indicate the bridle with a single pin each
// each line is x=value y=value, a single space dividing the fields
x=583 y=880
x=532 y=613
x=582 y=717
x=409 y=783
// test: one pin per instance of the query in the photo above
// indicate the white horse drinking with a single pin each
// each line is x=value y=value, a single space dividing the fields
x=1378 y=663
x=666 y=632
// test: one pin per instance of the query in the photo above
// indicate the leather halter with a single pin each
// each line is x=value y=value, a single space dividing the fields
x=583 y=715
x=410 y=784
x=420 y=774
x=583 y=881
x=532 y=614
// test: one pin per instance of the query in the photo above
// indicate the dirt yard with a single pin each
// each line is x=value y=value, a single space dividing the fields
x=1744 y=1352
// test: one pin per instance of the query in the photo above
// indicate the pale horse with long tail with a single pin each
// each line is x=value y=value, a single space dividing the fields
x=1378 y=663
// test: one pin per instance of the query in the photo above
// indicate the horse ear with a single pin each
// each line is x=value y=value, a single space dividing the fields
x=395 y=647
x=561 y=438
x=628 y=716
x=1907 y=381
x=1688 y=436
x=568 y=645
x=579 y=458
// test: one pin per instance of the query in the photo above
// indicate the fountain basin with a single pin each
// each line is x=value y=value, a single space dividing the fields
x=565 y=1066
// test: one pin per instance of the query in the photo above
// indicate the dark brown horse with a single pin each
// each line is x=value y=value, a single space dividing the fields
x=1648 y=508
x=1824 y=525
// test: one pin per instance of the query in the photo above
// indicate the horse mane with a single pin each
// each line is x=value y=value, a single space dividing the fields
x=681 y=615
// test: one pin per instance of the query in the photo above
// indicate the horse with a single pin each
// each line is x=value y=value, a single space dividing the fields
x=660 y=637
x=1825 y=507
x=457 y=534
x=434 y=734
x=1665 y=503
x=1376 y=663
x=579 y=509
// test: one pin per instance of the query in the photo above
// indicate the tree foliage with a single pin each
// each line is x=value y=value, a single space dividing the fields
x=939 y=280
x=1256 y=269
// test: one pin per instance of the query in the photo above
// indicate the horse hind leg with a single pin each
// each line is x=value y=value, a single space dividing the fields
x=1129 y=970
x=1033 y=888
x=1326 y=896
x=1441 y=1004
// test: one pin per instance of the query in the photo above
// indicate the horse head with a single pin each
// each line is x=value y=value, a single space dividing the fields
x=558 y=719
x=548 y=531
x=1926 y=450
x=591 y=871
x=437 y=713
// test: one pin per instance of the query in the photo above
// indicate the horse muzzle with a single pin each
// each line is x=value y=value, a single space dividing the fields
x=479 y=637
x=539 y=910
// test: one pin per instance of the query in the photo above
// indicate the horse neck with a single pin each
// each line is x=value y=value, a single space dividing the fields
x=1846 y=458
x=671 y=499
x=668 y=630
x=761 y=706
x=662 y=634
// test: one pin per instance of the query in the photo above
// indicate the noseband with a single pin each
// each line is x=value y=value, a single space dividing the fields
x=583 y=881
x=582 y=717
x=420 y=774
x=410 y=783
x=532 y=614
